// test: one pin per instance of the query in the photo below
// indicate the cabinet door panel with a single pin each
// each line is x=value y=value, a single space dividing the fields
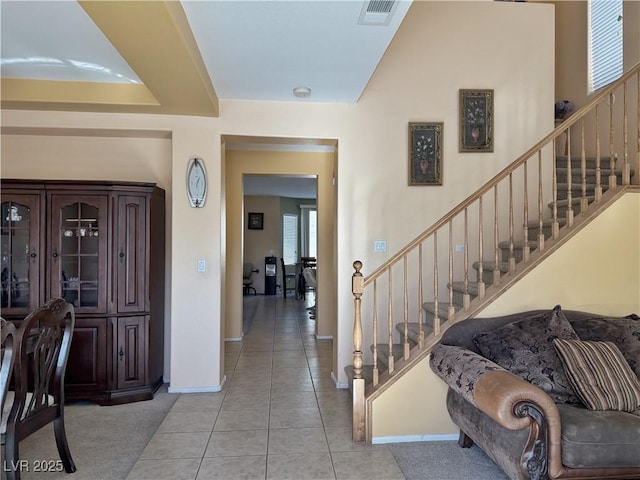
x=87 y=364
x=132 y=254
x=21 y=262
x=78 y=251
x=132 y=351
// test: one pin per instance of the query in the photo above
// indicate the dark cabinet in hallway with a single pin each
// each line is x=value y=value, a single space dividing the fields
x=101 y=247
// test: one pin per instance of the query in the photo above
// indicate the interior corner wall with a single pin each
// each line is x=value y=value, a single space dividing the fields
x=259 y=244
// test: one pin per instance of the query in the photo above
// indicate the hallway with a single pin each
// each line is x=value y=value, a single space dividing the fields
x=279 y=415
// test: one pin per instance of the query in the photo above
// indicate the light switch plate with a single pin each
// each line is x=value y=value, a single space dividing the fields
x=380 y=246
x=202 y=266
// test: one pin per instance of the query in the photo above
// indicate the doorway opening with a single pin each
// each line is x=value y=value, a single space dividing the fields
x=278 y=158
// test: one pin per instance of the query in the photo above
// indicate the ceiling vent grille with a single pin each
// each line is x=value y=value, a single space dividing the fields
x=377 y=12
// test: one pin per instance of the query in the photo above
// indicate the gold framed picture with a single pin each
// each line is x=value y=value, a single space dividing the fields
x=425 y=153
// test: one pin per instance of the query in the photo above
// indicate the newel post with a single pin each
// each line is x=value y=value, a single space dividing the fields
x=357 y=288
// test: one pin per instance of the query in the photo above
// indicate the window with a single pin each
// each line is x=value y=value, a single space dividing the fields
x=309 y=229
x=605 y=42
x=290 y=238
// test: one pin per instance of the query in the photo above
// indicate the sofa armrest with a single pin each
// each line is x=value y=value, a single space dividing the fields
x=516 y=404
x=460 y=368
x=507 y=399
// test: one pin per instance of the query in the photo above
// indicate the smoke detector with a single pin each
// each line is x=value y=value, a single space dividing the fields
x=302 y=92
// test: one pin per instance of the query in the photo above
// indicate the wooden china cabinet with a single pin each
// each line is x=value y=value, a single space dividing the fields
x=100 y=246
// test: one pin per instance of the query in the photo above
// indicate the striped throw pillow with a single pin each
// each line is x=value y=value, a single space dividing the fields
x=599 y=374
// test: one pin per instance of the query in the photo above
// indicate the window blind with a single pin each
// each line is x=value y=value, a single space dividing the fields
x=605 y=42
x=290 y=238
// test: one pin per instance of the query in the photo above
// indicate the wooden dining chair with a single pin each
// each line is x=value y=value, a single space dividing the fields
x=42 y=344
x=8 y=333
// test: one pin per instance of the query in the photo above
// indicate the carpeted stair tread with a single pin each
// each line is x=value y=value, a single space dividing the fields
x=577 y=186
x=443 y=309
x=459 y=287
x=576 y=161
x=383 y=352
x=490 y=266
x=574 y=201
x=517 y=245
x=413 y=330
x=533 y=224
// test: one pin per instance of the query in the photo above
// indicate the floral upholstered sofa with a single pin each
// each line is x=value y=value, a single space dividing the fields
x=547 y=393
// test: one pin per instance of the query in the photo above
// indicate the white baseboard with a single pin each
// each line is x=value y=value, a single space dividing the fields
x=324 y=337
x=340 y=385
x=211 y=389
x=234 y=339
x=416 y=438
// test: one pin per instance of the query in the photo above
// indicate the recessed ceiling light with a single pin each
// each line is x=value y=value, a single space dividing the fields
x=301 y=92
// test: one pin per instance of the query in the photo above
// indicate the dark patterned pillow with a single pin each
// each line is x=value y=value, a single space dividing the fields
x=624 y=332
x=599 y=375
x=525 y=348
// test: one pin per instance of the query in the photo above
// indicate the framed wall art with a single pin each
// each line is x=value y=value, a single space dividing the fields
x=425 y=153
x=476 y=120
x=256 y=221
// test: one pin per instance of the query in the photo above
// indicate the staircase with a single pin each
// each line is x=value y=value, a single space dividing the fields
x=489 y=267
x=507 y=227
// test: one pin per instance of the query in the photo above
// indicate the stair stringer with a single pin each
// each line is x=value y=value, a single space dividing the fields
x=493 y=292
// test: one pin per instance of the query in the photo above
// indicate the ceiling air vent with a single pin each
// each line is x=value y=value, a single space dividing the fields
x=377 y=12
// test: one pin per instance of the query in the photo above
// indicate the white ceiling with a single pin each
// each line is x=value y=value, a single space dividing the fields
x=258 y=50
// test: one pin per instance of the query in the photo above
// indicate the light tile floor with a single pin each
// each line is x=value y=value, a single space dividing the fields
x=279 y=415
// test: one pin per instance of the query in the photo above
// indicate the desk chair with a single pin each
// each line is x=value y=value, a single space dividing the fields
x=37 y=398
x=247 y=281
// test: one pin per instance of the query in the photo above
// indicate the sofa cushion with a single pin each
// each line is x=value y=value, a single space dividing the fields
x=593 y=439
x=624 y=332
x=599 y=374
x=525 y=348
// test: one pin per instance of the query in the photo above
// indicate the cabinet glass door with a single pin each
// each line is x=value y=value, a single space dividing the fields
x=19 y=244
x=78 y=256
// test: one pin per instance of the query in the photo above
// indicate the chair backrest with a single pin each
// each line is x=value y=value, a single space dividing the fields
x=247 y=270
x=288 y=270
x=310 y=276
x=8 y=332
x=43 y=341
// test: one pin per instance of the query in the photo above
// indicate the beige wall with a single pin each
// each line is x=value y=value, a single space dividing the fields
x=597 y=271
x=414 y=409
x=262 y=243
x=440 y=48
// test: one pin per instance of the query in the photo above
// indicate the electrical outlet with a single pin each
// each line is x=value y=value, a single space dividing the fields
x=202 y=266
x=460 y=248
